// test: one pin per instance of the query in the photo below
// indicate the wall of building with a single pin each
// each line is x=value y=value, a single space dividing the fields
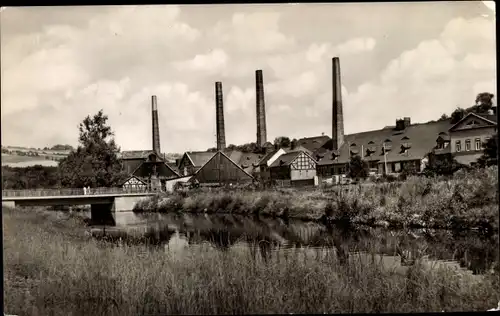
x=481 y=133
x=280 y=173
x=302 y=174
x=221 y=169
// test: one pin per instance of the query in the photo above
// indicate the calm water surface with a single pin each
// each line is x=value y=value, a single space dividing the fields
x=269 y=237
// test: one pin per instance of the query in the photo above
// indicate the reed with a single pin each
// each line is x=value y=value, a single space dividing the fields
x=51 y=269
x=468 y=200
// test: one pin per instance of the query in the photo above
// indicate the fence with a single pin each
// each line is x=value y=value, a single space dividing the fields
x=71 y=191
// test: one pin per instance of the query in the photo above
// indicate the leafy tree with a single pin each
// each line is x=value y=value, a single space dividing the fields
x=358 y=168
x=282 y=142
x=95 y=162
x=484 y=102
x=293 y=143
x=442 y=165
x=443 y=117
x=490 y=152
x=457 y=115
x=62 y=147
x=32 y=177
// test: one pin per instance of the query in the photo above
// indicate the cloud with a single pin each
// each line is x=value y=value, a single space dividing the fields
x=61 y=64
x=429 y=80
x=213 y=62
x=253 y=33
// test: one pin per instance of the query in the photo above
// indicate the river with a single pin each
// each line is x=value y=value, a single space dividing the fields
x=270 y=238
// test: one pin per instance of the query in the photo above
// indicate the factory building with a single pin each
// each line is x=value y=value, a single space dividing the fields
x=148 y=167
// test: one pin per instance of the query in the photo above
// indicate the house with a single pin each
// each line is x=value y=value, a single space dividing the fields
x=314 y=145
x=134 y=183
x=266 y=162
x=147 y=166
x=247 y=161
x=298 y=167
x=465 y=140
x=388 y=150
x=394 y=148
x=221 y=170
x=192 y=161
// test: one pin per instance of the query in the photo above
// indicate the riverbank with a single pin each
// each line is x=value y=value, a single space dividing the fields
x=51 y=268
x=467 y=201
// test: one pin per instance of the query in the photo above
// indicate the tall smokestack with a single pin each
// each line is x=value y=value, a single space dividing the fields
x=337 y=112
x=156 y=127
x=221 y=134
x=261 y=109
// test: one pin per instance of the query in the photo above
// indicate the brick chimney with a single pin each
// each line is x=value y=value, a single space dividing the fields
x=219 y=107
x=337 y=112
x=261 y=109
x=156 y=127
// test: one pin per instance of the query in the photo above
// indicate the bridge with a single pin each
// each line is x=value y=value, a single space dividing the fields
x=104 y=202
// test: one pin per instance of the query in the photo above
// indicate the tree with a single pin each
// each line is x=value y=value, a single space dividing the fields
x=358 y=168
x=457 y=115
x=95 y=162
x=484 y=102
x=490 y=152
x=293 y=143
x=442 y=165
x=282 y=142
x=443 y=117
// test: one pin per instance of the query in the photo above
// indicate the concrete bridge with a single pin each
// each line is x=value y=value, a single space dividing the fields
x=104 y=202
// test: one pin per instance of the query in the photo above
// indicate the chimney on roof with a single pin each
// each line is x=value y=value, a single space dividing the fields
x=219 y=107
x=337 y=112
x=261 y=109
x=156 y=127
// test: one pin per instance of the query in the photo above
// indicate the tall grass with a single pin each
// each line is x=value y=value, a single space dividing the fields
x=53 y=271
x=469 y=200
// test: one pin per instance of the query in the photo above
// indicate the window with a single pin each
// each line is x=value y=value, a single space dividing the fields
x=467 y=145
x=397 y=167
x=458 y=146
x=446 y=144
x=478 y=143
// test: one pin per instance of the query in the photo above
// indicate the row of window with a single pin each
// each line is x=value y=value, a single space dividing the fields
x=477 y=145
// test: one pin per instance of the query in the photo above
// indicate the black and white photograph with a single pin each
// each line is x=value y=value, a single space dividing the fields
x=249 y=158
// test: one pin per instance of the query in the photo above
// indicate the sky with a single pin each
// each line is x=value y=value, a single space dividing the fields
x=60 y=64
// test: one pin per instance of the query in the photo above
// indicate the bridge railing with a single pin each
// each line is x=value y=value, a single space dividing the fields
x=71 y=191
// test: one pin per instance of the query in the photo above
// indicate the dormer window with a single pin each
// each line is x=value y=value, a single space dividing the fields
x=354 y=151
x=371 y=143
x=353 y=145
x=405 y=138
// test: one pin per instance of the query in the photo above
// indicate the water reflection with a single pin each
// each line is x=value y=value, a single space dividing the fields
x=264 y=237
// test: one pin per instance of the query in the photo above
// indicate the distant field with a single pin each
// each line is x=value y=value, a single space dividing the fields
x=24 y=161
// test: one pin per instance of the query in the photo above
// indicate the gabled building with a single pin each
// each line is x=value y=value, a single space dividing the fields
x=297 y=167
x=147 y=166
x=465 y=140
x=192 y=161
x=221 y=170
x=394 y=148
x=267 y=161
x=134 y=183
x=315 y=145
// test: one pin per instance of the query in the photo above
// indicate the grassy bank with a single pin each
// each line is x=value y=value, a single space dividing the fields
x=469 y=200
x=51 y=270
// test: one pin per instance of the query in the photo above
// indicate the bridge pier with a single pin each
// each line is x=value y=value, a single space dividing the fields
x=103 y=214
x=11 y=204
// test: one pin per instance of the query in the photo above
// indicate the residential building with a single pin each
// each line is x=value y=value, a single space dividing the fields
x=266 y=162
x=295 y=167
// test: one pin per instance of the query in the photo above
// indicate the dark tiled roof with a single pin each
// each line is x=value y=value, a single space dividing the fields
x=199 y=158
x=285 y=159
x=135 y=154
x=173 y=166
x=247 y=161
x=313 y=143
x=421 y=137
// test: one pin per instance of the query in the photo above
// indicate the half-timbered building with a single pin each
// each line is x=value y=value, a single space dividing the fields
x=298 y=167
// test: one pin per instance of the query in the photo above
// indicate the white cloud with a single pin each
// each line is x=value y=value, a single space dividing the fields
x=213 y=62
x=253 y=33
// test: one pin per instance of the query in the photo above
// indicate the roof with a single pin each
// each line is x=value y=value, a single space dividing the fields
x=133 y=177
x=248 y=161
x=136 y=154
x=173 y=166
x=227 y=156
x=199 y=158
x=268 y=156
x=421 y=137
x=488 y=118
x=313 y=143
x=285 y=159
